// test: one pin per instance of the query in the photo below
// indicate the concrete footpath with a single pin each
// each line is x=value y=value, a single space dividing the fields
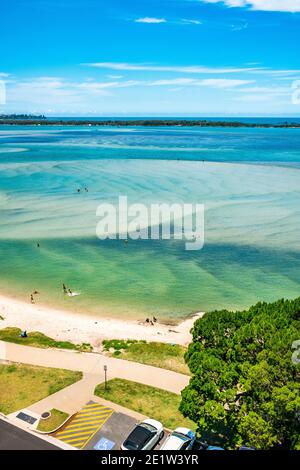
x=92 y=365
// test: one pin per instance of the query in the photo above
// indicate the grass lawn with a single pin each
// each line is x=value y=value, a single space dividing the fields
x=166 y=356
x=50 y=424
x=149 y=401
x=22 y=385
x=39 y=340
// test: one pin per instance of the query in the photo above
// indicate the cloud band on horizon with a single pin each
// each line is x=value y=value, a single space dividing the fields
x=150 y=20
x=177 y=69
x=291 y=6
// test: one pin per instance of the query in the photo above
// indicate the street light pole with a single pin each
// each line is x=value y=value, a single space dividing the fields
x=105 y=377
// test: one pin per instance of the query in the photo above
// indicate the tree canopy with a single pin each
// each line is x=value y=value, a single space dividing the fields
x=245 y=376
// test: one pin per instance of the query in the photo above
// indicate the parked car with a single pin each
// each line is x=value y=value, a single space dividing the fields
x=214 y=448
x=180 y=439
x=144 y=436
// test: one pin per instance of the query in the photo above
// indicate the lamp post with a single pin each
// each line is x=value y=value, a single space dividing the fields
x=105 y=376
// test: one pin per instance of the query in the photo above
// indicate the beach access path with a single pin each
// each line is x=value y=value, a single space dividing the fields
x=92 y=366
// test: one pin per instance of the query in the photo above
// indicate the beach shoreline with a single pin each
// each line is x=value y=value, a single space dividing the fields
x=63 y=325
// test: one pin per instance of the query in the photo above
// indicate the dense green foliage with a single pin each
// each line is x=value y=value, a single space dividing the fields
x=21 y=116
x=245 y=386
x=42 y=121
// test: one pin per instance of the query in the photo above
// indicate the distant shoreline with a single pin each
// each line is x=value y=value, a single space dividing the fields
x=147 y=123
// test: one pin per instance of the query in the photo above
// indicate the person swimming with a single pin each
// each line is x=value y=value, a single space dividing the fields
x=64 y=288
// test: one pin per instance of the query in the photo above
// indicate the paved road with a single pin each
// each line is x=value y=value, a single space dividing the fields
x=92 y=364
x=13 y=438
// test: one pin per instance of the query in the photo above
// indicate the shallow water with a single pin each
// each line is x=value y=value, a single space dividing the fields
x=248 y=180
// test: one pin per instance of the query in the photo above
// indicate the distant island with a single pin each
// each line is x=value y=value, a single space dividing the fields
x=22 y=117
x=43 y=121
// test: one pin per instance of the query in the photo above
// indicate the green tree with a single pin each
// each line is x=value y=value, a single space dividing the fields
x=245 y=387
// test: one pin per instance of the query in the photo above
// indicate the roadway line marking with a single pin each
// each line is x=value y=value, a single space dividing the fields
x=94 y=410
x=95 y=413
x=91 y=404
x=89 y=420
x=74 y=428
x=68 y=431
x=75 y=434
x=84 y=445
x=85 y=425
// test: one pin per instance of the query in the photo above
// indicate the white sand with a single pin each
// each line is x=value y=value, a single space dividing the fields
x=67 y=326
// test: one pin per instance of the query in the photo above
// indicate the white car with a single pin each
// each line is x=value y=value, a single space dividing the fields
x=180 y=439
x=144 y=436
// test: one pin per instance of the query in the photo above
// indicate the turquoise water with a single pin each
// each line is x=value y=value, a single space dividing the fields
x=248 y=180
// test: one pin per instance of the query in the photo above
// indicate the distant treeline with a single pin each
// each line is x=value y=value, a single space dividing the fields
x=17 y=117
x=42 y=121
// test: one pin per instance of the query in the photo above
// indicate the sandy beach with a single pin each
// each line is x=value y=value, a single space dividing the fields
x=68 y=326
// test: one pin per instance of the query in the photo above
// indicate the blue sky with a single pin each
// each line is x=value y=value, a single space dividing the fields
x=150 y=57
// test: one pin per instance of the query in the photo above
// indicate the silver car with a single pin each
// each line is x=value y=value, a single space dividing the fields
x=180 y=439
x=144 y=436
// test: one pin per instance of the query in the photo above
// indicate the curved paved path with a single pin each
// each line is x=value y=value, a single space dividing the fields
x=92 y=365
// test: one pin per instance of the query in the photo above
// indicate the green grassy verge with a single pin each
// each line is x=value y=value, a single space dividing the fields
x=166 y=356
x=22 y=385
x=50 y=424
x=149 y=401
x=39 y=340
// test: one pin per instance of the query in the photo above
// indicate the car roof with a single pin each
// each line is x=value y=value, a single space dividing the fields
x=185 y=431
x=138 y=437
x=172 y=443
x=153 y=422
x=177 y=439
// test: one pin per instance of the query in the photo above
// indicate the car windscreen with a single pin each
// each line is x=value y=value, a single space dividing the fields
x=139 y=437
x=181 y=436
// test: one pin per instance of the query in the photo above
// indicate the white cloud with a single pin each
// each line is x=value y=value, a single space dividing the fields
x=115 y=77
x=178 y=69
x=96 y=86
x=224 y=82
x=267 y=90
x=292 y=6
x=240 y=27
x=173 y=81
x=211 y=82
x=186 y=21
x=252 y=98
x=150 y=20
x=283 y=73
